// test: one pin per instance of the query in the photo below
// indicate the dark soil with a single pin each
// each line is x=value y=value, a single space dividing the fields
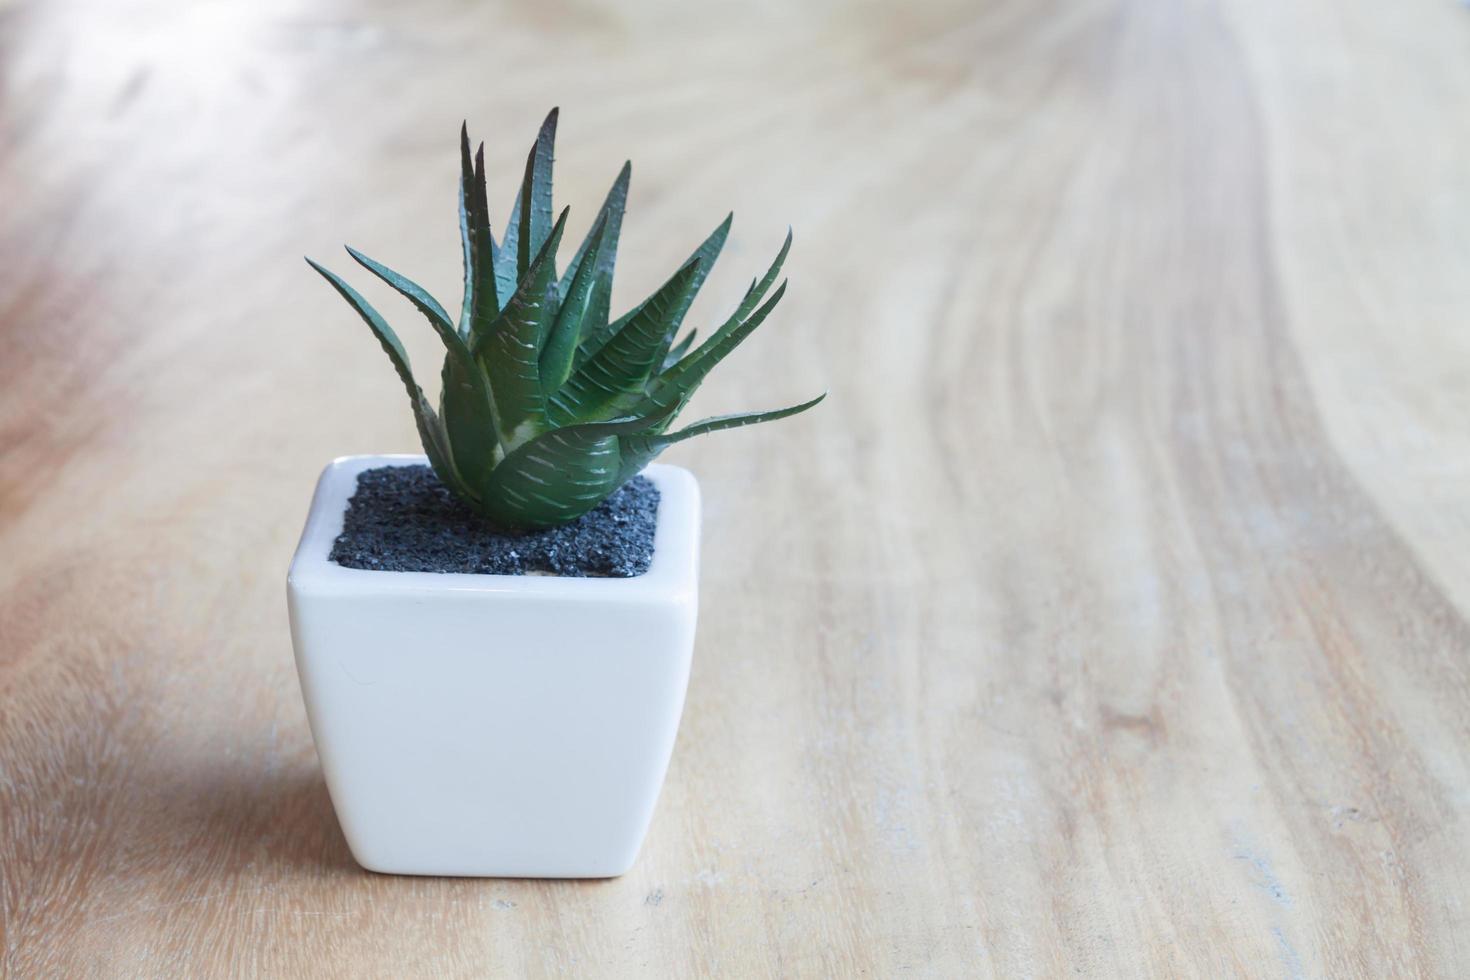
x=402 y=519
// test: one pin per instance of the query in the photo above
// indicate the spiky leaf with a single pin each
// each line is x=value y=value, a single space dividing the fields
x=420 y=297
x=618 y=372
x=482 y=303
x=599 y=306
x=431 y=431
x=676 y=384
x=511 y=354
x=704 y=256
x=507 y=255
x=561 y=343
x=562 y=474
x=679 y=349
x=603 y=237
x=526 y=339
x=464 y=400
x=736 y=322
x=757 y=290
x=639 y=449
x=475 y=238
x=535 y=198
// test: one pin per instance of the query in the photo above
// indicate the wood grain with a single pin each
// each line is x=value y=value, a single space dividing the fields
x=1108 y=619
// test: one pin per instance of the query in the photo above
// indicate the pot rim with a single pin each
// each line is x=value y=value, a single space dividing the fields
x=673 y=570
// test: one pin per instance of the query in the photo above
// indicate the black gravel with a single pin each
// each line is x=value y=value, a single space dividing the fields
x=402 y=519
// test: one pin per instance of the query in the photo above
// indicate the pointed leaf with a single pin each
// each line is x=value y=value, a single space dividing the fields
x=610 y=220
x=678 y=383
x=598 y=306
x=638 y=449
x=536 y=195
x=705 y=255
x=749 y=302
x=511 y=354
x=464 y=398
x=738 y=419
x=619 y=371
x=431 y=431
x=561 y=474
x=561 y=343
x=757 y=291
x=507 y=256
x=467 y=225
x=483 y=303
x=679 y=350
x=426 y=304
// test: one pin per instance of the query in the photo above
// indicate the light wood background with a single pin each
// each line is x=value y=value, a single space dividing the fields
x=1110 y=618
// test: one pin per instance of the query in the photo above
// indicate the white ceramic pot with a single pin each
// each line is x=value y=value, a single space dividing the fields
x=497 y=725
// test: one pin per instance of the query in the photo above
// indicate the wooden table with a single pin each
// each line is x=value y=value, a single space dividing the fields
x=1110 y=618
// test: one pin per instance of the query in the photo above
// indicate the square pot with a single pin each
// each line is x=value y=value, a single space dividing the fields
x=495 y=725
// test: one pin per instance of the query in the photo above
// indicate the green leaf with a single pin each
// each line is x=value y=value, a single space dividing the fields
x=547 y=405
x=598 y=306
x=727 y=337
x=464 y=397
x=560 y=475
x=619 y=371
x=431 y=431
x=737 y=420
x=535 y=198
x=511 y=352
x=679 y=350
x=705 y=255
x=638 y=449
x=507 y=256
x=757 y=291
x=466 y=225
x=676 y=384
x=610 y=222
x=474 y=234
x=483 y=301
x=426 y=304
x=749 y=302
x=561 y=343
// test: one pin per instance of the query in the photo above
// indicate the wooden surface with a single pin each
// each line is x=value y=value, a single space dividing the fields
x=1110 y=618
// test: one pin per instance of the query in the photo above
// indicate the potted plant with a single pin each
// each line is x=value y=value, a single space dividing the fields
x=494 y=638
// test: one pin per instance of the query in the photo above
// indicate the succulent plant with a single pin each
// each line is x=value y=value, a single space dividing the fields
x=548 y=405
